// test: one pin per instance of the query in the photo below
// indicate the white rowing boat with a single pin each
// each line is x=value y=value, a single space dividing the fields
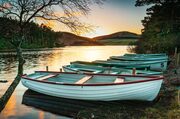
x=85 y=68
x=99 y=87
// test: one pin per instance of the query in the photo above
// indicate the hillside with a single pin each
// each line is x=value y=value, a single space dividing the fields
x=41 y=36
x=118 y=38
x=118 y=35
x=69 y=39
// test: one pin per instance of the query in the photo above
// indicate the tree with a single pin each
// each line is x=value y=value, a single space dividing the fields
x=161 y=26
x=25 y=11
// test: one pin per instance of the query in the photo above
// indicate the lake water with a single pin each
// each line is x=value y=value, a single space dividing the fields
x=30 y=105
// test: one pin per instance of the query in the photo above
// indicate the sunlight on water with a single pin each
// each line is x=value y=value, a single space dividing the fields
x=55 y=59
x=41 y=115
x=10 y=107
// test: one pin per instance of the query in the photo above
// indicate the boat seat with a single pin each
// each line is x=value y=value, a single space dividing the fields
x=46 y=77
x=114 y=72
x=119 y=80
x=83 y=80
x=97 y=72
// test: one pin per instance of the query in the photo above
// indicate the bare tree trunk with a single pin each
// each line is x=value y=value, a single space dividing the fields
x=4 y=99
x=21 y=61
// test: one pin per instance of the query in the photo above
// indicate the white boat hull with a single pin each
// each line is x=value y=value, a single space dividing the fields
x=84 y=69
x=161 y=66
x=154 y=65
x=146 y=91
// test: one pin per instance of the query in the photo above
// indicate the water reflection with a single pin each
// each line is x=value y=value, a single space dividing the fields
x=61 y=106
x=55 y=59
x=10 y=107
x=69 y=107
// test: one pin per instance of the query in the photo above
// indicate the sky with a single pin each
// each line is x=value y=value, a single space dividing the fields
x=113 y=16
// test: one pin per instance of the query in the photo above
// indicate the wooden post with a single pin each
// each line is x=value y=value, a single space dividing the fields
x=47 y=68
x=175 y=52
x=177 y=59
x=134 y=71
x=178 y=97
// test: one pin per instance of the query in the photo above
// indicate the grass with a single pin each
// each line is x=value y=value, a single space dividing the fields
x=164 y=107
x=117 y=41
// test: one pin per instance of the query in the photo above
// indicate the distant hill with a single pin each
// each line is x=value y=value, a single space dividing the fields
x=70 y=39
x=118 y=38
x=118 y=35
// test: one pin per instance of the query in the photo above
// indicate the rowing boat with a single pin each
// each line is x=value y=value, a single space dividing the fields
x=107 y=64
x=139 y=58
x=146 y=55
x=85 y=68
x=98 y=87
x=152 y=65
x=160 y=65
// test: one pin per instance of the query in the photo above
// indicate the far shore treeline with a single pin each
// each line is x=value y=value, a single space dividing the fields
x=41 y=36
x=37 y=36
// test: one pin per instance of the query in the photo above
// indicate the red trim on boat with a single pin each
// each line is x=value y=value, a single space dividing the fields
x=151 y=78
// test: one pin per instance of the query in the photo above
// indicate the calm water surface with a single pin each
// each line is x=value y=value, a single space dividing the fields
x=27 y=104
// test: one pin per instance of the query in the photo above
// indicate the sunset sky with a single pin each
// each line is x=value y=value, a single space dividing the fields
x=113 y=16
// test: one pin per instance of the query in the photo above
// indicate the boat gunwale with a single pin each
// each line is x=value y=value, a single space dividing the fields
x=138 y=59
x=110 y=65
x=119 y=63
x=67 y=67
x=113 y=61
x=143 y=57
x=138 y=71
x=151 y=78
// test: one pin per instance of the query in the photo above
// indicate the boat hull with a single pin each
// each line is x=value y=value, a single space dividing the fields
x=129 y=58
x=105 y=70
x=68 y=70
x=153 y=65
x=146 y=91
x=145 y=55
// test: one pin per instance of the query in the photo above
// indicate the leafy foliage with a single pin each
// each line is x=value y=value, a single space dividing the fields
x=36 y=36
x=161 y=31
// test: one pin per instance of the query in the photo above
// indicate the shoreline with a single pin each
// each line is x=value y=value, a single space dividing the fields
x=57 y=48
x=164 y=106
x=26 y=50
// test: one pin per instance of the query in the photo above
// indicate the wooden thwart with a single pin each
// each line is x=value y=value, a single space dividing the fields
x=46 y=77
x=119 y=80
x=83 y=80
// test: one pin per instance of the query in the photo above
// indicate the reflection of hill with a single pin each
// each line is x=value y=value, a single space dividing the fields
x=69 y=107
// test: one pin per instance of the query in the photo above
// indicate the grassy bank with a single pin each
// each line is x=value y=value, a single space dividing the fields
x=164 y=107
